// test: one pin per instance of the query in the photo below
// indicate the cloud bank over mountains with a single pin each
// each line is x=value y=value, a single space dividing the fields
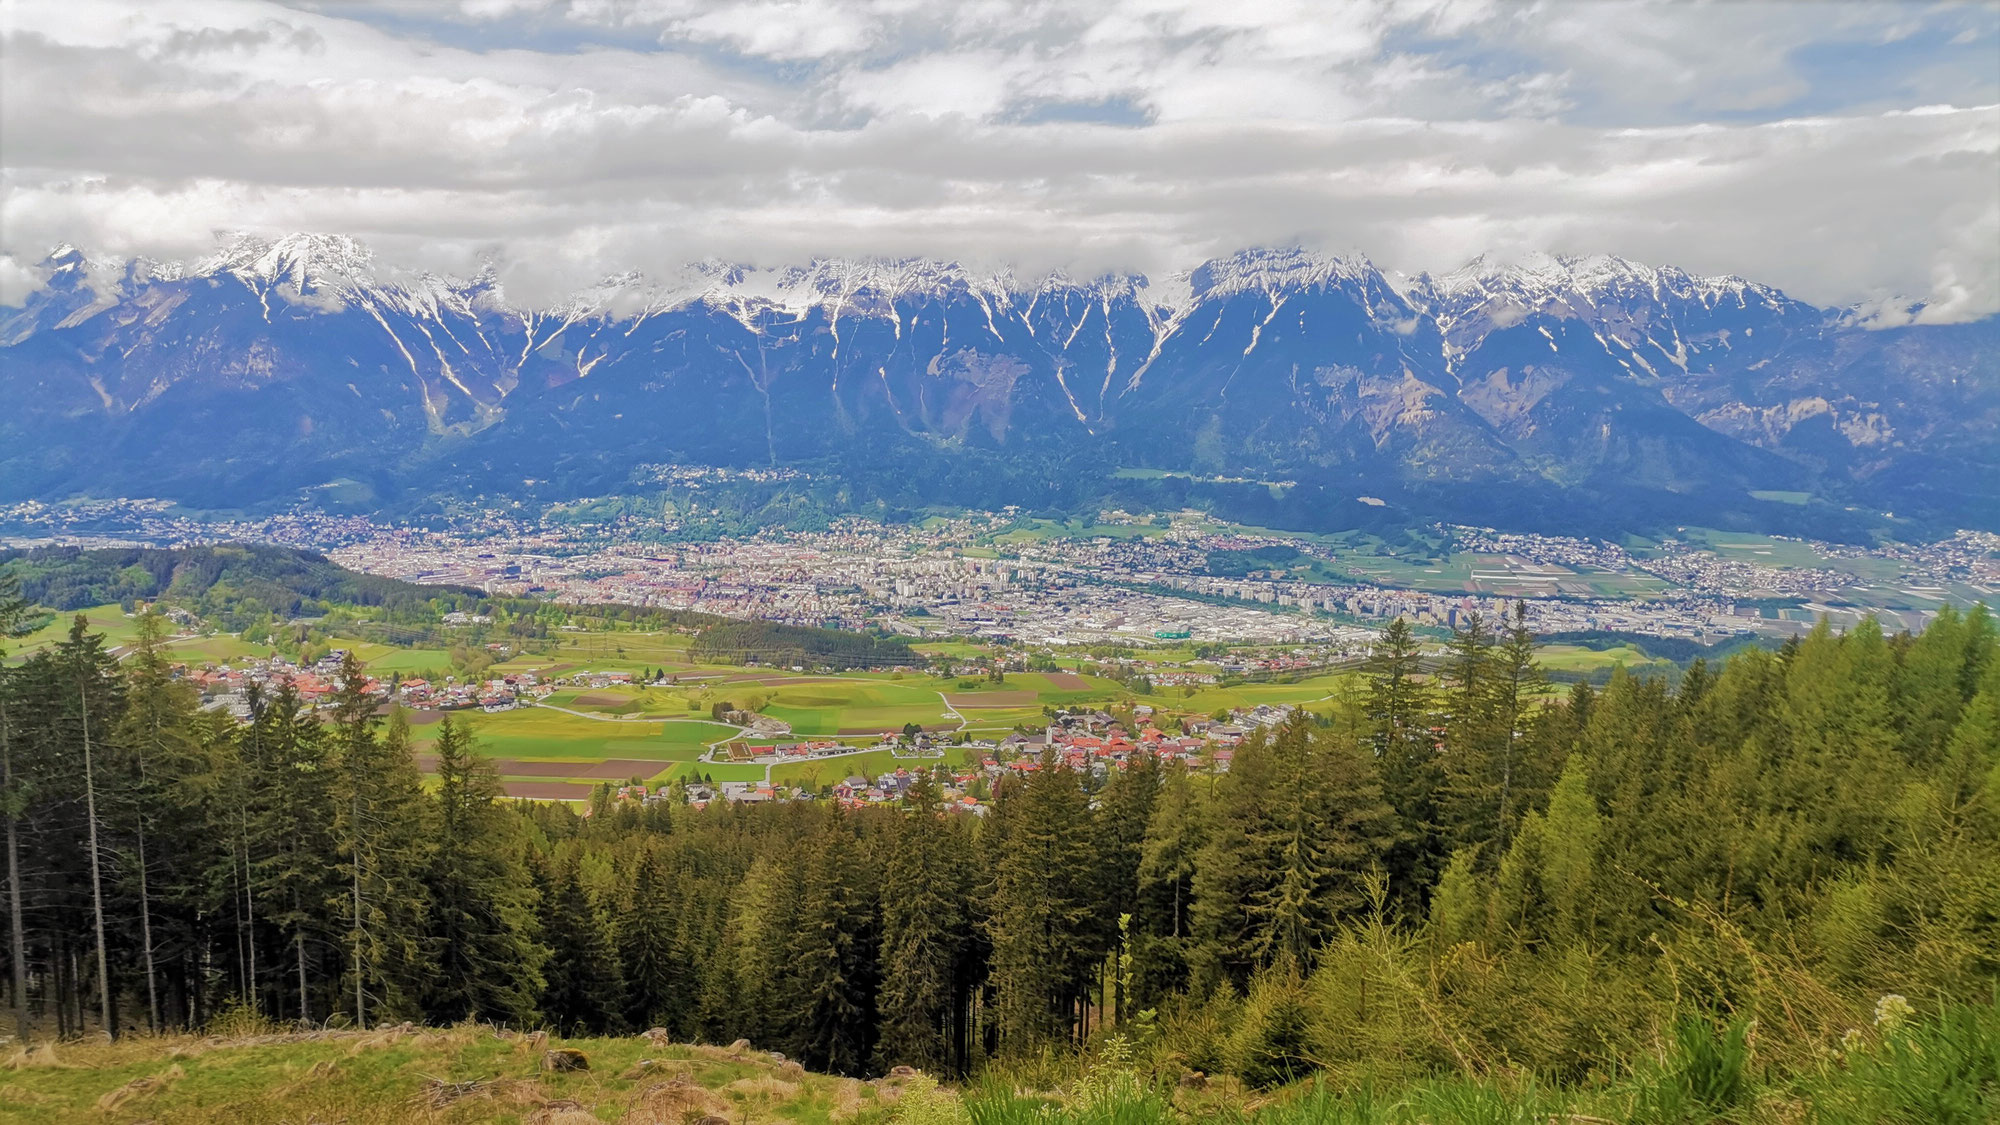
x=1846 y=153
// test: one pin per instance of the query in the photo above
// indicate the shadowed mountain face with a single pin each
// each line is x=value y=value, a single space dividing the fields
x=1552 y=385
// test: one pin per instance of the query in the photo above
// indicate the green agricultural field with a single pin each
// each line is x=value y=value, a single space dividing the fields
x=383 y=660
x=529 y=662
x=954 y=649
x=541 y=733
x=833 y=704
x=988 y=720
x=1767 y=551
x=820 y=721
x=1576 y=658
x=118 y=629
x=622 y=650
x=222 y=648
x=1061 y=688
x=1450 y=574
x=633 y=702
x=1207 y=700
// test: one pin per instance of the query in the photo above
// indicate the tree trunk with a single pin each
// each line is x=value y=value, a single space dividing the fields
x=96 y=874
x=236 y=908
x=299 y=945
x=250 y=914
x=146 y=928
x=146 y=900
x=360 y=999
x=16 y=934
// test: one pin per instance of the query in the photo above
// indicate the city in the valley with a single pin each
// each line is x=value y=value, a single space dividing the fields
x=1120 y=578
x=1168 y=635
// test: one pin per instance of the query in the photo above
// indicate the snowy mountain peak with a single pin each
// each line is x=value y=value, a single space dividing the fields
x=1275 y=269
x=301 y=261
x=1491 y=290
x=1540 y=276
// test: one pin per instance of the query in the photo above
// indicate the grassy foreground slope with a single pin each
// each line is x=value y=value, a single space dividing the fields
x=1939 y=1071
x=400 y=1076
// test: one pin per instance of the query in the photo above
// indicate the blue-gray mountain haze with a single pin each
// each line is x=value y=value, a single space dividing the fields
x=1577 y=393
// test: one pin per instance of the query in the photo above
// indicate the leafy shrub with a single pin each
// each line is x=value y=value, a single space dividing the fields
x=924 y=1103
x=1272 y=1045
x=1706 y=1075
x=1944 y=1071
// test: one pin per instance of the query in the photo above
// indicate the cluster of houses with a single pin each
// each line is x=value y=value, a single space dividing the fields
x=227 y=686
x=1290 y=661
x=501 y=693
x=1095 y=741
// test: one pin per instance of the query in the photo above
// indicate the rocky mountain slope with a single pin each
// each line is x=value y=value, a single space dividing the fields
x=1546 y=386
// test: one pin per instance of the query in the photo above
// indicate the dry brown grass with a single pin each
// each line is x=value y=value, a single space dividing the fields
x=847 y=1100
x=140 y=1088
x=35 y=1056
x=765 y=1087
x=563 y=1112
x=470 y=1073
x=675 y=1102
x=315 y=1075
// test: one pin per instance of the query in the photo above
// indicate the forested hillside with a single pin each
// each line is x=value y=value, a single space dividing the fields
x=1780 y=862
x=231 y=584
x=262 y=591
x=769 y=643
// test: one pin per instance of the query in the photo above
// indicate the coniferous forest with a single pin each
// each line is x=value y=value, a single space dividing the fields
x=1459 y=870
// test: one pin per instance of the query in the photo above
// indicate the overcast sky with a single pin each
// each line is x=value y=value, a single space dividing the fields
x=1844 y=152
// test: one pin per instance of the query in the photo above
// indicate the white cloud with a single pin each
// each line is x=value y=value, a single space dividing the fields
x=1420 y=131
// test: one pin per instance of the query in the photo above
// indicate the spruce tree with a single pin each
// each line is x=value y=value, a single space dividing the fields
x=283 y=802
x=164 y=762
x=485 y=959
x=1400 y=713
x=1306 y=821
x=1162 y=928
x=923 y=938
x=379 y=822
x=583 y=991
x=1042 y=912
x=647 y=931
x=833 y=972
x=13 y=803
x=1124 y=813
x=742 y=985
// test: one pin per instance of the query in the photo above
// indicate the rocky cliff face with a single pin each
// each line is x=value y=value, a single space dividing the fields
x=275 y=367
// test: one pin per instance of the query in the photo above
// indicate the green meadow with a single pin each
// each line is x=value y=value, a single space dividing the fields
x=222 y=648
x=1207 y=700
x=1576 y=658
x=538 y=733
x=384 y=660
x=118 y=629
x=1765 y=550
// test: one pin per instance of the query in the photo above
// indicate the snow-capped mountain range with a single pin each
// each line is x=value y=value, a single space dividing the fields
x=275 y=366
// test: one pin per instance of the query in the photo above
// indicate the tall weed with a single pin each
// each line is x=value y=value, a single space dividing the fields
x=1944 y=1071
x=1706 y=1077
